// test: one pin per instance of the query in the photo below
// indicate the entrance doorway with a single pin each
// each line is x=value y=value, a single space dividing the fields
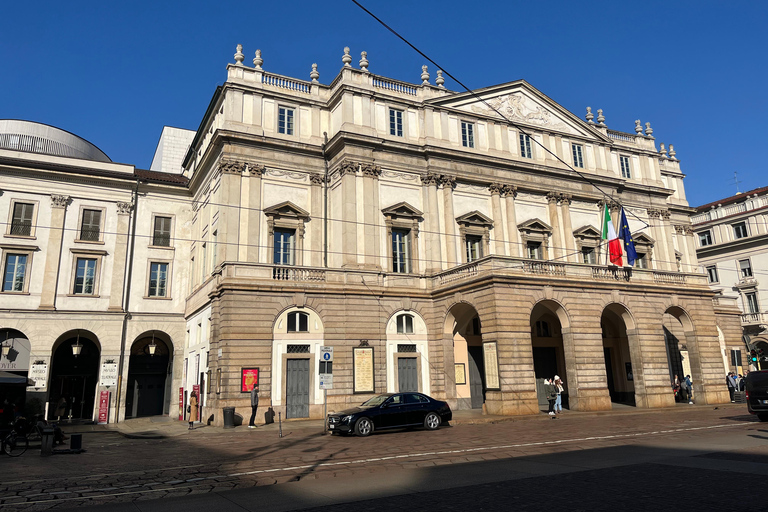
x=407 y=374
x=462 y=327
x=618 y=361
x=297 y=388
x=548 y=353
x=74 y=377
x=476 y=376
x=148 y=369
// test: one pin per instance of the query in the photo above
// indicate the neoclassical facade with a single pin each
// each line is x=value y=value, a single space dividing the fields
x=434 y=244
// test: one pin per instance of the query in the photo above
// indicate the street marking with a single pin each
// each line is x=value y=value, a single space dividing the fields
x=359 y=461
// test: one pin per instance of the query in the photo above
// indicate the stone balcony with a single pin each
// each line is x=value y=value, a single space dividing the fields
x=755 y=320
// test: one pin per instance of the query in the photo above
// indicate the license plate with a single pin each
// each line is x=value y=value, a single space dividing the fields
x=331 y=426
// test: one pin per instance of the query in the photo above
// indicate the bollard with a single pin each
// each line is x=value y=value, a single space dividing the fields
x=76 y=443
x=46 y=441
x=280 y=424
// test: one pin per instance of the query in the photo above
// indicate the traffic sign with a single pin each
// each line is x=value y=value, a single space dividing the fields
x=326 y=381
x=326 y=354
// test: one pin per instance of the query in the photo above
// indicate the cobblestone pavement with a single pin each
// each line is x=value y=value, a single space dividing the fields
x=116 y=469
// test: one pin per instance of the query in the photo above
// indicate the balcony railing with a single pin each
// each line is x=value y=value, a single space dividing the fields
x=754 y=319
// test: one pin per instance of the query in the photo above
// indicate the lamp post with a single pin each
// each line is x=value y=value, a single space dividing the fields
x=77 y=347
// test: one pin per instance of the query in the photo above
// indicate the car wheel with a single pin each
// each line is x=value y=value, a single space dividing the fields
x=762 y=416
x=363 y=427
x=432 y=421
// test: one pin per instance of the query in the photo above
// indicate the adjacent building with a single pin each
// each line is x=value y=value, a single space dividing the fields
x=435 y=245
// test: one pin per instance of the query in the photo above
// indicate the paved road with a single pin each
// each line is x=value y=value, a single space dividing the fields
x=643 y=461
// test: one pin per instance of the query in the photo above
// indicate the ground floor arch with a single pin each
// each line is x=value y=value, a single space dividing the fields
x=619 y=370
x=679 y=336
x=74 y=376
x=549 y=321
x=464 y=328
x=14 y=360
x=148 y=391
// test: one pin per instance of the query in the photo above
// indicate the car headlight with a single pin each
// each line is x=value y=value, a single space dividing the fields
x=346 y=419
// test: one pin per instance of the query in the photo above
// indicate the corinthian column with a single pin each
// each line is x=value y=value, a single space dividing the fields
x=448 y=183
x=554 y=219
x=498 y=232
x=53 y=254
x=371 y=212
x=120 y=256
x=509 y=192
x=433 y=258
x=570 y=245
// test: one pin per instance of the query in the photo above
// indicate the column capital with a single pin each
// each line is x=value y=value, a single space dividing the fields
x=371 y=170
x=231 y=167
x=509 y=190
x=59 y=201
x=124 y=208
x=565 y=199
x=553 y=197
x=256 y=169
x=447 y=181
x=429 y=179
x=347 y=167
x=495 y=188
x=316 y=179
x=654 y=213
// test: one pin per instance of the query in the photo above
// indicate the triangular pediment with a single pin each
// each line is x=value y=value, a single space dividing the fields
x=535 y=225
x=402 y=209
x=522 y=104
x=475 y=218
x=643 y=239
x=286 y=209
x=587 y=231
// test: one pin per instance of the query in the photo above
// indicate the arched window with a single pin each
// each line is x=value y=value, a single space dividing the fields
x=404 y=324
x=298 y=322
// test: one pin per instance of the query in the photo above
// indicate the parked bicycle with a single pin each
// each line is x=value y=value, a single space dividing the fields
x=15 y=441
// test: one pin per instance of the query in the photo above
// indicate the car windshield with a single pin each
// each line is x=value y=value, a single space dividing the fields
x=377 y=400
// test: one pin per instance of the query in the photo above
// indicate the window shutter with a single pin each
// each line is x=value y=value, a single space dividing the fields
x=162 y=234
x=91 y=225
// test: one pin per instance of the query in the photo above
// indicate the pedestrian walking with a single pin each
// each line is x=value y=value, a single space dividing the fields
x=193 y=409
x=559 y=388
x=254 y=404
x=689 y=388
x=551 y=392
x=676 y=388
x=731 y=385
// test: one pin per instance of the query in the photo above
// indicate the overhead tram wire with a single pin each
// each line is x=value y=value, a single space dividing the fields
x=476 y=96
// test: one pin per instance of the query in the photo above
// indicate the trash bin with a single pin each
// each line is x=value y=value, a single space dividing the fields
x=76 y=442
x=229 y=417
x=46 y=441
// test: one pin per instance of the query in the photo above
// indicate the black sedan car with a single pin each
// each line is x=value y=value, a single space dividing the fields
x=391 y=410
x=757 y=394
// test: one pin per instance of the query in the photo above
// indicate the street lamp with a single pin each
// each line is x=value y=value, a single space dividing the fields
x=152 y=345
x=77 y=347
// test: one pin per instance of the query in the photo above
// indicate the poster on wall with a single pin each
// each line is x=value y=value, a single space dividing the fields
x=181 y=404
x=109 y=374
x=249 y=377
x=461 y=373
x=362 y=360
x=491 y=359
x=103 y=407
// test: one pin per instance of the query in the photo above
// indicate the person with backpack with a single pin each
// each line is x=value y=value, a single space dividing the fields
x=551 y=392
x=689 y=388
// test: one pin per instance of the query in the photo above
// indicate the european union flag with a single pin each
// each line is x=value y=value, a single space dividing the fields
x=626 y=237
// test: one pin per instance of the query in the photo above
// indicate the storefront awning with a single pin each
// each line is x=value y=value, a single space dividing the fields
x=12 y=378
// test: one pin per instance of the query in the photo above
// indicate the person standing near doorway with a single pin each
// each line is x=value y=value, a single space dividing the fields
x=194 y=408
x=254 y=404
x=689 y=388
x=731 y=385
x=559 y=400
x=551 y=392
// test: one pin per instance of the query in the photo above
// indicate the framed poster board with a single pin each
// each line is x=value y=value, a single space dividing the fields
x=249 y=377
x=491 y=359
x=362 y=362
x=461 y=373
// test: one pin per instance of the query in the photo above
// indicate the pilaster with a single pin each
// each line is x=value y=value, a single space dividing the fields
x=498 y=233
x=509 y=193
x=447 y=183
x=371 y=213
x=432 y=258
x=316 y=225
x=53 y=254
x=348 y=175
x=228 y=224
x=554 y=219
x=249 y=237
x=570 y=244
x=120 y=256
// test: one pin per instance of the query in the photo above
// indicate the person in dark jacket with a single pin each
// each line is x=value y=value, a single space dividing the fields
x=551 y=392
x=731 y=385
x=254 y=405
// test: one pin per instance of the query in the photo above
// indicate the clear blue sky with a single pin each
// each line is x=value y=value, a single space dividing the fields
x=115 y=74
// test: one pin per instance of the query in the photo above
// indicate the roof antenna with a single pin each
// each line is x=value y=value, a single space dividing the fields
x=736 y=182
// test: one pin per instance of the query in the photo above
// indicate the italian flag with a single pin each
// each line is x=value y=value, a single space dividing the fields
x=614 y=244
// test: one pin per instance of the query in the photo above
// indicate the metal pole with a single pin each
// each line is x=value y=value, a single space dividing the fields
x=280 y=424
x=325 y=410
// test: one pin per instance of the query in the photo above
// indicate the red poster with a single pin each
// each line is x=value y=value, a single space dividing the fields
x=181 y=404
x=104 y=407
x=196 y=389
x=249 y=378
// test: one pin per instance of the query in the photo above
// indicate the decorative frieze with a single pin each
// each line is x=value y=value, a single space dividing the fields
x=124 y=208
x=59 y=201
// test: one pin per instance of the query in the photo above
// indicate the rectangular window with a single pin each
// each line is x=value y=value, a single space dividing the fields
x=15 y=272
x=396 y=122
x=90 y=228
x=712 y=274
x=85 y=276
x=752 y=306
x=285 y=120
x=534 y=250
x=705 y=238
x=578 y=158
x=401 y=250
x=21 y=222
x=474 y=248
x=284 y=243
x=542 y=329
x=641 y=261
x=746 y=268
x=625 y=170
x=740 y=230
x=158 y=280
x=161 y=235
x=467 y=134
x=525 y=146
x=588 y=255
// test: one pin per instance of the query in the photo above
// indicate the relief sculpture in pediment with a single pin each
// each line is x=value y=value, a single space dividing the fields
x=517 y=107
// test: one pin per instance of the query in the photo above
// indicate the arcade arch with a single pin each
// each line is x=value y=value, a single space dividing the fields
x=74 y=376
x=549 y=323
x=614 y=325
x=679 y=335
x=462 y=325
x=148 y=390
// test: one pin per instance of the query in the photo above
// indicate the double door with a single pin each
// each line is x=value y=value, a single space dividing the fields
x=297 y=388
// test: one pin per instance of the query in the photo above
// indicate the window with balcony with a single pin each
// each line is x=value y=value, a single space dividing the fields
x=158 y=279
x=578 y=156
x=712 y=276
x=401 y=251
x=474 y=245
x=751 y=300
x=15 y=272
x=525 y=146
x=740 y=230
x=21 y=221
x=404 y=324
x=285 y=117
x=396 y=122
x=705 y=238
x=745 y=268
x=467 y=134
x=284 y=246
x=626 y=172
x=298 y=322
x=85 y=276
x=588 y=255
x=534 y=250
x=90 y=226
x=161 y=234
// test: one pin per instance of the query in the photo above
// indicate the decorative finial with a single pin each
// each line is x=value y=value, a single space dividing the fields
x=258 y=61
x=364 y=61
x=590 y=115
x=239 y=55
x=672 y=152
x=314 y=74
x=638 y=127
x=424 y=75
x=663 y=150
x=648 y=130
x=440 y=81
x=346 y=58
x=600 y=117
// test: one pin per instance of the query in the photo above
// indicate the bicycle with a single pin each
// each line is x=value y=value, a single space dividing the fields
x=14 y=444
